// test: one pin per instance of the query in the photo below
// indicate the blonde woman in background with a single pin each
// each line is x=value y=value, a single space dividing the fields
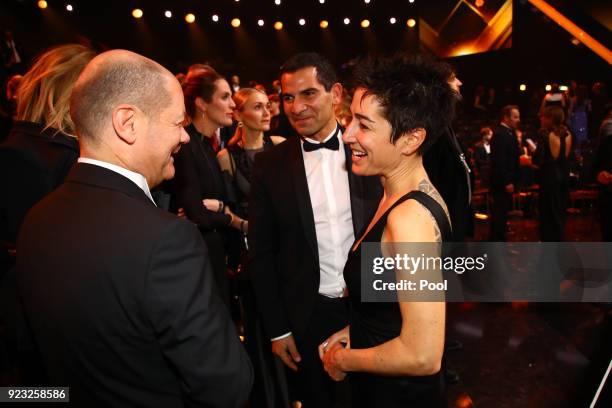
x=252 y=112
x=34 y=160
x=41 y=147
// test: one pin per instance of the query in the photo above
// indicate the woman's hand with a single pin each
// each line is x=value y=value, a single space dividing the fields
x=342 y=336
x=332 y=361
x=332 y=351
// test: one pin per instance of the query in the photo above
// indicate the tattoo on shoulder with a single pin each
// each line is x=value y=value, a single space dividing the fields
x=428 y=188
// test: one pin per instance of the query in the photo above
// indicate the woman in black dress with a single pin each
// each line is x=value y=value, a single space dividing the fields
x=252 y=112
x=551 y=158
x=392 y=352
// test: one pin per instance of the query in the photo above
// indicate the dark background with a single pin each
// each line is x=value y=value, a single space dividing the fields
x=541 y=50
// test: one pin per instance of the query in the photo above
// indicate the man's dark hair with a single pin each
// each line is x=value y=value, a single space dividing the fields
x=412 y=91
x=140 y=82
x=506 y=111
x=326 y=75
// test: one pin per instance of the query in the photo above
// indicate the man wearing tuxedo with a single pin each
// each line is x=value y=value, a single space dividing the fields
x=505 y=154
x=119 y=294
x=306 y=209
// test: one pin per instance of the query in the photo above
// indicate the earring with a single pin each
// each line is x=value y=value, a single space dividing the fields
x=239 y=124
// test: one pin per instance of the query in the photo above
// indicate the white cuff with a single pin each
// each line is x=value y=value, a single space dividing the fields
x=281 y=337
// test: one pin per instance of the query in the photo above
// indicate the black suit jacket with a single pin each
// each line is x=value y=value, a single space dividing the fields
x=121 y=300
x=505 y=154
x=283 y=253
x=198 y=176
x=33 y=162
x=449 y=175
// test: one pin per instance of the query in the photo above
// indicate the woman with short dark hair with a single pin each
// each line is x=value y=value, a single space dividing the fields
x=392 y=351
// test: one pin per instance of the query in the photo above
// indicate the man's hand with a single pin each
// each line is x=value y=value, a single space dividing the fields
x=212 y=205
x=287 y=351
x=510 y=188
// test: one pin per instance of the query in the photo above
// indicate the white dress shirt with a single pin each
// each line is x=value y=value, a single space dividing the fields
x=330 y=196
x=136 y=178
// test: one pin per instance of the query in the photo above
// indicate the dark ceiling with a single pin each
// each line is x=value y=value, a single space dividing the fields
x=540 y=50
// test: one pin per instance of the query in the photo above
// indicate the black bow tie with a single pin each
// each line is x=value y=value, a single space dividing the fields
x=331 y=144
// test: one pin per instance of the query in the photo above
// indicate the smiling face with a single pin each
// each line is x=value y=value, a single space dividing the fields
x=220 y=109
x=369 y=138
x=309 y=107
x=255 y=112
x=164 y=135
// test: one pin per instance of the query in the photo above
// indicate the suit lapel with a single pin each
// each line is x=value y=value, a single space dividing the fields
x=300 y=183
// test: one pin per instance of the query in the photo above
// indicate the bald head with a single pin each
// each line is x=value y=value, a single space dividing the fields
x=111 y=79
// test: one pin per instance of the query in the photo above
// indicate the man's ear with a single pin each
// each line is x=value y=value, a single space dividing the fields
x=125 y=123
x=336 y=91
x=410 y=141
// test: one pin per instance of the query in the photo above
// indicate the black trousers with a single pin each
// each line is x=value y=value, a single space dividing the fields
x=314 y=386
x=499 y=215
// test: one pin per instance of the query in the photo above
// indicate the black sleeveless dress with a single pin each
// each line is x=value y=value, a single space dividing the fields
x=375 y=323
x=554 y=189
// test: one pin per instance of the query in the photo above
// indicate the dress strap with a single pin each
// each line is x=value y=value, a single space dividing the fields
x=434 y=208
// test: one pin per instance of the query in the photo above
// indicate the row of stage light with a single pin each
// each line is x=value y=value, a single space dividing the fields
x=43 y=4
x=235 y=22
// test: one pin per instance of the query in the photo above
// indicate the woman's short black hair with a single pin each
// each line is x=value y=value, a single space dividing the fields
x=413 y=92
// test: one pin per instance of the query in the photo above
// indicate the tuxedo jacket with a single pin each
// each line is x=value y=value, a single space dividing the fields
x=505 y=154
x=283 y=253
x=121 y=301
x=449 y=175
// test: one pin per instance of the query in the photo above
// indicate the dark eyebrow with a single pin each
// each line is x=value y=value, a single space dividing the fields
x=363 y=117
x=308 y=90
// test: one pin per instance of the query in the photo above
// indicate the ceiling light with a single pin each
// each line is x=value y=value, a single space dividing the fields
x=392 y=20
x=137 y=13
x=260 y=22
x=190 y=18
x=168 y=14
x=42 y=4
x=301 y=22
x=365 y=23
x=235 y=22
x=347 y=21
x=411 y=22
x=278 y=25
x=523 y=87
x=69 y=7
x=215 y=18
x=323 y=24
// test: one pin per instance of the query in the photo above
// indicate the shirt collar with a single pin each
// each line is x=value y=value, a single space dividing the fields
x=136 y=178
